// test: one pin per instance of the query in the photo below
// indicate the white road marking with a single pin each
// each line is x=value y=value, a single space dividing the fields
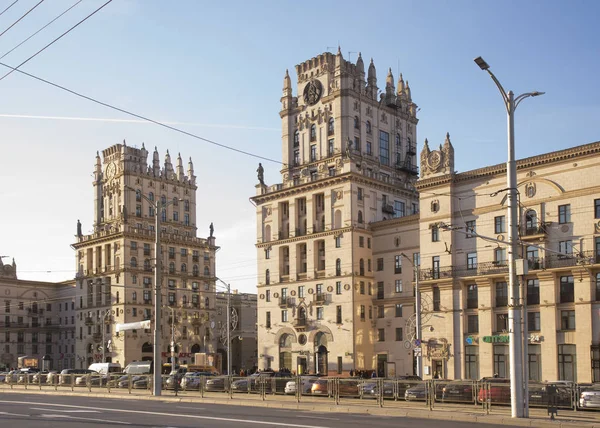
x=13 y=414
x=192 y=408
x=65 y=411
x=143 y=412
x=83 y=419
x=317 y=417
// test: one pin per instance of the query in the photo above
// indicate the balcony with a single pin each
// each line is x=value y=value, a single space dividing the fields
x=388 y=209
x=300 y=276
x=286 y=302
x=196 y=321
x=320 y=273
x=284 y=278
x=411 y=149
x=97 y=337
x=300 y=323
x=407 y=166
x=89 y=321
x=320 y=298
x=533 y=232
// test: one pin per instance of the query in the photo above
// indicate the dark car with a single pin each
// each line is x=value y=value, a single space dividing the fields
x=217 y=384
x=418 y=392
x=460 y=391
x=538 y=394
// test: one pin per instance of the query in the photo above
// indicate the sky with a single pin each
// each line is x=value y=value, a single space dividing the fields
x=216 y=69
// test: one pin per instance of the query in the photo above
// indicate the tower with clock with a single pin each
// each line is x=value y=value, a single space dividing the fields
x=347 y=185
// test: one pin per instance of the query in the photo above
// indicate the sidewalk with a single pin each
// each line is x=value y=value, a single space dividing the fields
x=466 y=413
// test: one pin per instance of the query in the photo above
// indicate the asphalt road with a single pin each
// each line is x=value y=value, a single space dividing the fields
x=35 y=411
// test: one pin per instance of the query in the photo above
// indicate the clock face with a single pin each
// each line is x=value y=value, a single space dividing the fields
x=312 y=92
x=111 y=169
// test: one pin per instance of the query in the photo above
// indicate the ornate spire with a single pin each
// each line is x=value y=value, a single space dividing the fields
x=389 y=85
x=400 y=85
x=360 y=65
x=180 y=173
x=155 y=163
x=287 y=85
x=339 y=59
x=372 y=81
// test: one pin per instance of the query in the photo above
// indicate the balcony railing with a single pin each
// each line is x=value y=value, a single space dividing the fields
x=300 y=323
x=534 y=230
x=286 y=302
x=320 y=297
x=387 y=208
x=407 y=166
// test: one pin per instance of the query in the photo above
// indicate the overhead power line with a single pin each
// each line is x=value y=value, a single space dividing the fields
x=38 y=31
x=9 y=6
x=54 y=41
x=18 y=20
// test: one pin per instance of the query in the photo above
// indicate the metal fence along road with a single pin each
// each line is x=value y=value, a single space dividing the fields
x=480 y=395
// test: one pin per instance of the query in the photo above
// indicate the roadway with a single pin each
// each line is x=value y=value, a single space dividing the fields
x=36 y=411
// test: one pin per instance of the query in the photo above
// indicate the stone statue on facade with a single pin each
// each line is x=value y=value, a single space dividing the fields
x=211 y=228
x=79 y=228
x=261 y=174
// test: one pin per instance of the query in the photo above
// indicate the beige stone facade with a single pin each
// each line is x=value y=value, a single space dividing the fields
x=243 y=332
x=116 y=261
x=37 y=320
x=465 y=275
x=348 y=169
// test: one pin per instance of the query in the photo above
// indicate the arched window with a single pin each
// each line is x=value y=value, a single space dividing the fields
x=206 y=271
x=133 y=262
x=368 y=126
x=330 y=127
x=356 y=122
x=296 y=138
x=195 y=348
x=338 y=267
x=285 y=341
x=530 y=222
x=195 y=270
x=151 y=196
x=147 y=347
x=183 y=267
x=360 y=217
x=362 y=267
x=267 y=277
x=138 y=195
x=134 y=295
x=184 y=299
x=175 y=201
x=313 y=132
x=206 y=303
x=171 y=268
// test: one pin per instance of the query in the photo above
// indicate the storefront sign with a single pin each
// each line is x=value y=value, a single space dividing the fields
x=180 y=355
x=471 y=340
x=535 y=338
x=496 y=339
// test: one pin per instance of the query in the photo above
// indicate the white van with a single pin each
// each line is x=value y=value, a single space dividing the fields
x=105 y=368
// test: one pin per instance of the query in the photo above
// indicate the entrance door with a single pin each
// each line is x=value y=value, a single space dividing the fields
x=381 y=365
x=438 y=369
x=302 y=365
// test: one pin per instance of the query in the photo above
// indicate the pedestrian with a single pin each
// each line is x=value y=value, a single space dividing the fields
x=351 y=373
x=373 y=374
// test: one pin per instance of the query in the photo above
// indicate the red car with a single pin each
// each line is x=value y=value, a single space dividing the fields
x=495 y=390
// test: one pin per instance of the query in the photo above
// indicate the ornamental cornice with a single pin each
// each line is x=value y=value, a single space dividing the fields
x=302 y=188
x=398 y=221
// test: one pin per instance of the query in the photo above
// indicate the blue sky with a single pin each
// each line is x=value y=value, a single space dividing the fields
x=219 y=67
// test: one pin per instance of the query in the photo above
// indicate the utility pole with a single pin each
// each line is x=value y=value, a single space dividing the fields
x=228 y=330
x=157 y=379
x=518 y=387
x=418 y=326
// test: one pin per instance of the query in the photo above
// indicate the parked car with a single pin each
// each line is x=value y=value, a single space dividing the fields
x=43 y=377
x=347 y=387
x=26 y=375
x=217 y=384
x=495 y=390
x=306 y=385
x=538 y=395
x=418 y=392
x=52 y=377
x=589 y=397
x=123 y=381
x=460 y=391
x=67 y=375
x=3 y=376
x=192 y=380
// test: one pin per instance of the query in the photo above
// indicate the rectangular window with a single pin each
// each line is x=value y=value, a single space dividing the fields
x=331 y=171
x=500 y=224
x=284 y=315
x=472 y=297
x=436 y=299
x=596 y=208
x=501 y=322
x=398 y=264
x=296 y=157
x=567 y=287
x=471 y=260
x=362 y=312
x=361 y=241
x=330 y=146
x=399 y=209
x=369 y=148
x=380 y=311
x=338 y=314
x=567 y=320
x=338 y=241
x=471 y=362
x=398 y=310
x=500 y=256
x=567 y=363
x=380 y=290
x=399 y=335
x=369 y=265
x=398 y=286
x=435 y=234
x=359 y=193
x=379 y=264
x=533 y=291
x=473 y=324
x=368 y=242
x=301 y=291
x=564 y=214
x=435 y=267
x=565 y=247
x=268 y=320
x=470 y=226
x=357 y=144
x=501 y=294
x=338 y=287
x=381 y=335
x=340 y=365
x=313 y=152
x=384 y=148
x=533 y=321
x=362 y=287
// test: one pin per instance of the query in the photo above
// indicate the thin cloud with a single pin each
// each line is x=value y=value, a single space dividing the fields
x=111 y=120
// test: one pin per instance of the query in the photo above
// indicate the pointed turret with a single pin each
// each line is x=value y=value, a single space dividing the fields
x=448 y=151
x=180 y=172
x=155 y=163
x=339 y=59
x=424 y=155
x=98 y=167
x=191 y=176
x=401 y=87
x=360 y=65
x=389 y=87
x=372 y=81
x=287 y=85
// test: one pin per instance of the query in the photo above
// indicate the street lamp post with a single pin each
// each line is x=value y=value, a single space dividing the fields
x=418 y=326
x=228 y=320
x=106 y=313
x=518 y=387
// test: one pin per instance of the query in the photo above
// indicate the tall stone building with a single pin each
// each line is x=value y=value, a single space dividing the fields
x=464 y=272
x=348 y=155
x=37 y=320
x=116 y=261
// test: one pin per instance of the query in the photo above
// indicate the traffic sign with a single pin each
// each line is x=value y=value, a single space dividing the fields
x=417 y=352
